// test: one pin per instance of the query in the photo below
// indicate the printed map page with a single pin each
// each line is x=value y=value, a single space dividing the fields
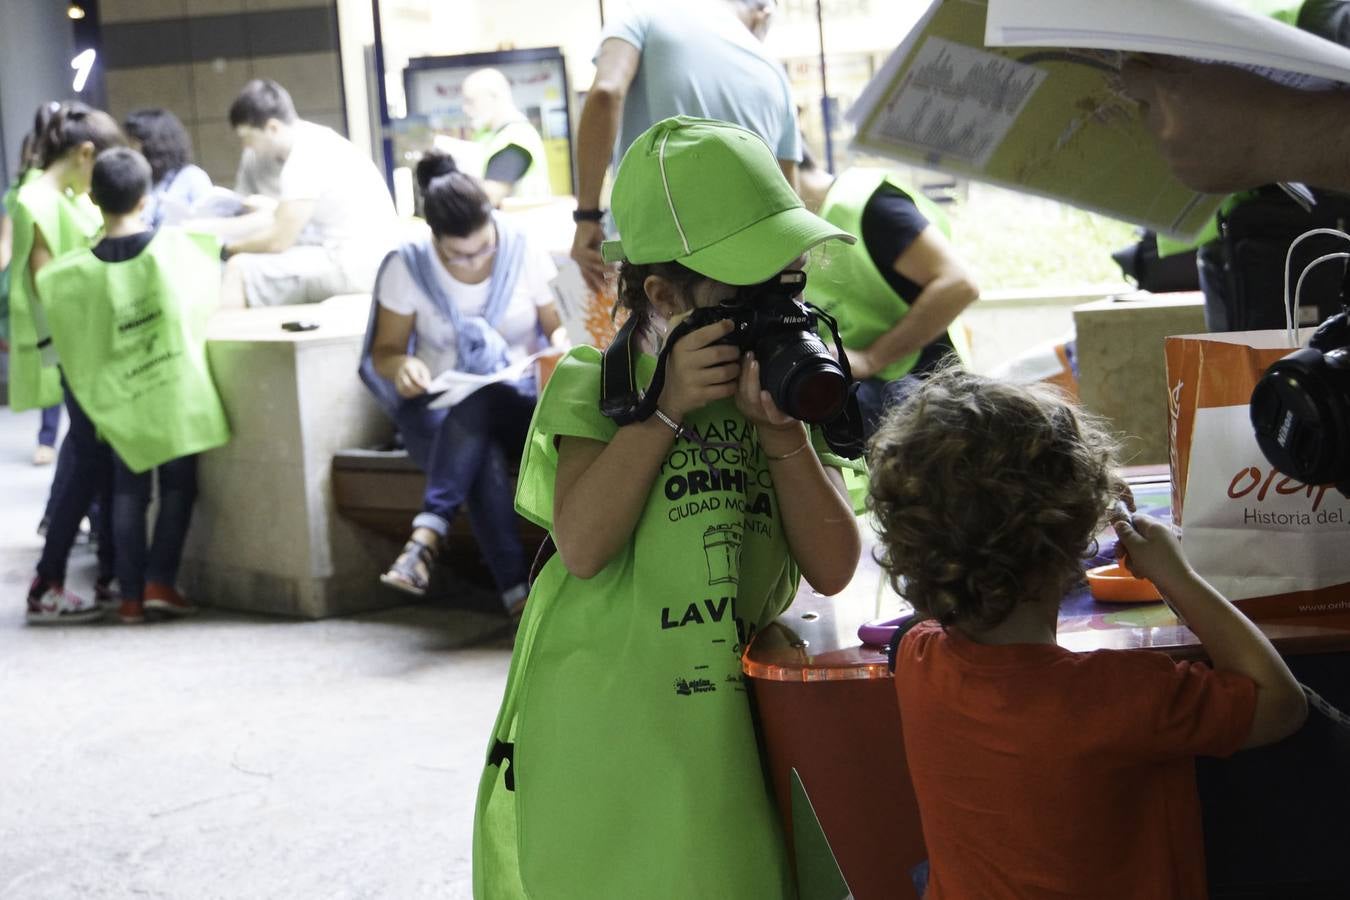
x=1045 y=121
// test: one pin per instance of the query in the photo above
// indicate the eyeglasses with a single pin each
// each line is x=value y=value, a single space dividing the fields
x=468 y=259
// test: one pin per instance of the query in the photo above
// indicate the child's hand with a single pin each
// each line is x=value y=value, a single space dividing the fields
x=413 y=378
x=755 y=403
x=699 y=370
x=1150 y=550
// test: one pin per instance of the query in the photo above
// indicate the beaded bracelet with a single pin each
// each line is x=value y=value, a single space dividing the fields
x=671 y=424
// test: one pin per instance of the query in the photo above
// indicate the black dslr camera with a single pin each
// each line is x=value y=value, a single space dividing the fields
x=805 y=381
x=797 y=370
x=1301 y=408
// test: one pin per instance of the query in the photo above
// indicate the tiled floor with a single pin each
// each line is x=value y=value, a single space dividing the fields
x=232 y=756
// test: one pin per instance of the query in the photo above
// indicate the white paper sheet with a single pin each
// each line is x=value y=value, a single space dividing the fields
x=1201 y=29
x=453 y=386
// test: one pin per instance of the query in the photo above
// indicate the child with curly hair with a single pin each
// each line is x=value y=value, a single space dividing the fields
x=1041 y=772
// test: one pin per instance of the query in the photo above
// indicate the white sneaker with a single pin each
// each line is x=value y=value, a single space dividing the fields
x=54 y=606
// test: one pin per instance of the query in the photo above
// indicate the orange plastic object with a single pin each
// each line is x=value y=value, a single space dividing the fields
x=1114 y=584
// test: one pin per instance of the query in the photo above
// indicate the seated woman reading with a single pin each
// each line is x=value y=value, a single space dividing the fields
x=472 y=296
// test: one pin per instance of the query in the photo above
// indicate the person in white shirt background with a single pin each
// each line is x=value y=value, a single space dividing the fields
x=334 y=218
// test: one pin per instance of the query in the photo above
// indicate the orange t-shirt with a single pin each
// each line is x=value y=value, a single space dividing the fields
x=1044 y=773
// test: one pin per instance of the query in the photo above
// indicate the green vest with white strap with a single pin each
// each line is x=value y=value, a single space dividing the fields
x=66 y=223
x=848 y=285
x=132 y=339
x=534 y=183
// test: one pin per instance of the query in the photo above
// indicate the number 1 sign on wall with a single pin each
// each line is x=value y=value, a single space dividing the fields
x=82 y=64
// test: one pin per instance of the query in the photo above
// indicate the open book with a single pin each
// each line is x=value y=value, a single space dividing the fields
x=1026 y=94
x=452 y=386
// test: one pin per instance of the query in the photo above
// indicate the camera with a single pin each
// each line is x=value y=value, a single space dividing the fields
x=805 y=381
x=797 y=370
x=1300 y=408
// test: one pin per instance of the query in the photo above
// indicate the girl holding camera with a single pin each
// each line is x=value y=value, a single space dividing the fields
x=624 y=760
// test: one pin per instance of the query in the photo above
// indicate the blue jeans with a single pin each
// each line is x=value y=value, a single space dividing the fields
x=918 y=876
x=99 y=521
x=467 y=452
x=51 y=423
x=136 y=562
x=83 y=472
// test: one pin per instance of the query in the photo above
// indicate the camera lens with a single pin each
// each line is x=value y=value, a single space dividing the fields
x=803 y=378
x=1301 y=418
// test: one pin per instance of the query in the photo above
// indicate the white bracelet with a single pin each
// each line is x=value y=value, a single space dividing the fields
x=670 y=423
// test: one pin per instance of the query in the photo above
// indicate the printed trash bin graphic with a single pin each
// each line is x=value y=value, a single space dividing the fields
x=722 y=547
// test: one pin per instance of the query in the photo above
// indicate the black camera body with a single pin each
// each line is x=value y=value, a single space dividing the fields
x=796 y=368
x=1300 y=408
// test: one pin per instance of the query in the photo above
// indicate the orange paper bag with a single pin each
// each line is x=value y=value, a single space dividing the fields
x=1278 y=548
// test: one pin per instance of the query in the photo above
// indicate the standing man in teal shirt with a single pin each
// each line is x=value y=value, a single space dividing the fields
x=700 y=58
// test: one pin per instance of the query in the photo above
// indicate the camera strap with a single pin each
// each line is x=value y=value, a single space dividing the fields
x=620 y=397
x=843 y=433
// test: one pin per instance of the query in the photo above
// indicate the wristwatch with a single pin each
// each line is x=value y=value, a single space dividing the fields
x=587 y=215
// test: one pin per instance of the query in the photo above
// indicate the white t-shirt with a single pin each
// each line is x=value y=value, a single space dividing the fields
x=353 y=212
x=519 y=325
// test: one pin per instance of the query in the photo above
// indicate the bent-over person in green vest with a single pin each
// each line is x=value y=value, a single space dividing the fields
x=896 y=292
x=52 y=216
x=514 y=160
x=624 y=762
x=129 y=320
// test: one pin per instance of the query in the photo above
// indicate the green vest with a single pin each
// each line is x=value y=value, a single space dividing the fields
x=11 y=194
x=534 y=183
x=67 y=224
x=848 y=284
x=132 y=338
x=636 y=771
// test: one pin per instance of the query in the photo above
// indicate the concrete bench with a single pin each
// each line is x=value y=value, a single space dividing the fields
x=381 y=490
x=265 y=535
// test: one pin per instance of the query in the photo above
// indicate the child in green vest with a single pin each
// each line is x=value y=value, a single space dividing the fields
x=624 y=761
x=52 y=216
x=128 y=317
x=28 y=170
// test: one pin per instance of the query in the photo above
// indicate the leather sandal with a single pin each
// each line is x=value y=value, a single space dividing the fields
x=411 y=572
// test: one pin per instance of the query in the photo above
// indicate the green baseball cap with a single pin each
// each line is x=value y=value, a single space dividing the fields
x=711 y=196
